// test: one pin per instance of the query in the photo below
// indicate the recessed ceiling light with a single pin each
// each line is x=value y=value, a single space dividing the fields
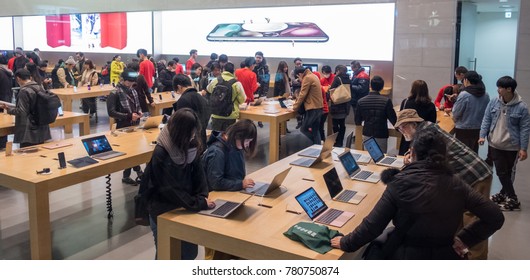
x=505 y=6
x=503 y=1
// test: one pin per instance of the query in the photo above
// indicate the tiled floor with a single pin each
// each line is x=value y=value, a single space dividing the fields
x=82 y=231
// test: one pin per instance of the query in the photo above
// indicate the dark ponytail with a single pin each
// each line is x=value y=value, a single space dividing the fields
x=430 y=146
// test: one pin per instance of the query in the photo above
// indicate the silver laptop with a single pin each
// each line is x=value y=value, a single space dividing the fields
x=314 y=152
x=337 y=192
x=152 y=122
x=262 y=189
x=223 y=208
x=319 y=212
x=99 y=148
x=324 y=153
x=379 y=157
x=355 y=172
x=360 y=158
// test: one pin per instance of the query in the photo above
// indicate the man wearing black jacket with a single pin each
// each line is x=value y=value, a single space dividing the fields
x=123 y=104
x=190 y=98
x=360 y=84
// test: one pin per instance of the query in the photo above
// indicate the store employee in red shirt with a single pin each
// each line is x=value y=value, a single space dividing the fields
x=248 y=78
x=147 y=69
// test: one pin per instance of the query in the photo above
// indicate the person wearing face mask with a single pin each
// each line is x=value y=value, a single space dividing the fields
x=224 y=159
x=175 y=173
x=190 y=98
x=123 y=104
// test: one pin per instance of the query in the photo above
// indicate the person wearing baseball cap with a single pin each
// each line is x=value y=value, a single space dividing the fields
x=466 y=164
x=123 y=104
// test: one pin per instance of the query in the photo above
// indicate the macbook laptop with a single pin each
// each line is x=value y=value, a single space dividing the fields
x=360 y=158
x=262 y=189
x=319 y=212
x=54 y=146
x=223 y=208
x=314 y=152
x=355 y=172
x=99 y=148
x=324 y=153
x=337 y=192
x=152 y=122
x=379 y=157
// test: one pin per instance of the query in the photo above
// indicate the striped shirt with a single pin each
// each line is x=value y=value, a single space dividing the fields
x=466 y=164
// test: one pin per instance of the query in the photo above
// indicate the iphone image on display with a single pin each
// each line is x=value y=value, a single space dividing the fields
x=268 y=32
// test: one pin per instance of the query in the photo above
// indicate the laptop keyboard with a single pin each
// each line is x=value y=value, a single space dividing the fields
x=225 y=208
x=330 y=216
x=346 y=195
x=363 y=175
x=388 y=160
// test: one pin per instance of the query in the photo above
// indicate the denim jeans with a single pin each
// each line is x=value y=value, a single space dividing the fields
x=188 y=251
x=312 y=121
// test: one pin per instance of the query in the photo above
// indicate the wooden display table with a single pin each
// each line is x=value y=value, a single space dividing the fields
x=7 y=122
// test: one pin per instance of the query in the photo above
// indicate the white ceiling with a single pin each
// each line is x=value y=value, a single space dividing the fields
x=496 y=5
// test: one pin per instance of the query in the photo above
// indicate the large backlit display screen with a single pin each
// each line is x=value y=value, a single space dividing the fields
x=361 y=31
x=6 y=27
x=102 y=33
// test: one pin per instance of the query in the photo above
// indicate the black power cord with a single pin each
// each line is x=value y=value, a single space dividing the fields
x=110 y=212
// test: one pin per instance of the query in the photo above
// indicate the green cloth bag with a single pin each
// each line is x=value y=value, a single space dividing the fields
x=314 y=236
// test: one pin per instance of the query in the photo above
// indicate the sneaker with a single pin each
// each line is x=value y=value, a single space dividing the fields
x=498 y=198
x=129 y=181
x=511 y=204
x=298 y=125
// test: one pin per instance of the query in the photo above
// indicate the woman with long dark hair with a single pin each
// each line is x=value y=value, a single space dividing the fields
x=175 y=173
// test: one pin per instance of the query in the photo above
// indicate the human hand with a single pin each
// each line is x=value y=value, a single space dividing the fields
x=335 y=242
x=522 y=155
x=481 y=141
x=248 y=183
x=406 y=159
x=152 y=104
x=460 y=248
x=210 y=203
x=135 y=117
x=441 y=107
x=3 y=106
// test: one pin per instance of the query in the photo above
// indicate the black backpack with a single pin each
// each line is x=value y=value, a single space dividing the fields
x=46 y=107
x=221 y=101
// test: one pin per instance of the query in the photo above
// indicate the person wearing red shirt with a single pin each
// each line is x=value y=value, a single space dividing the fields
x=448 y=93
x=178 y=67
x=191 y=61
x=147 y=69
x=248 y=78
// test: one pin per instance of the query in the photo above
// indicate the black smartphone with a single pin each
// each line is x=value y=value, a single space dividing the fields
x=160 y=96
x=268 y=32
x=62 y=160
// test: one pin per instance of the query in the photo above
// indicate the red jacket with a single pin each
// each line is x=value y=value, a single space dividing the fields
x=189 y=64
x=249 y=80
x=324 y=85
x=147 y=69
x=447 y=104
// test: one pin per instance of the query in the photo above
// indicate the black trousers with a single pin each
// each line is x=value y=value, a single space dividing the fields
x=505 y=162
x=127 y=172
x=322 y=129
x=469 y=137
x=339 y=126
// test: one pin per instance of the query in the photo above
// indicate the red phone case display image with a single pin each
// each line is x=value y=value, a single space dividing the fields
x=58 y=31
x=114 y=30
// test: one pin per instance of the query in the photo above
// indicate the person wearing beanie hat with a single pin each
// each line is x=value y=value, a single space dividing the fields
x=66 y=74
x=123 y=104
x=466 y=164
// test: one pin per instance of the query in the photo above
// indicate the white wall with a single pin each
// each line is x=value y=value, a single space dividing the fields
x=495 y=42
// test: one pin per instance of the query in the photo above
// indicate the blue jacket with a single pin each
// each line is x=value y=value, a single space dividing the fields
x=518 y=126
x=469 y=107
x=224 y=165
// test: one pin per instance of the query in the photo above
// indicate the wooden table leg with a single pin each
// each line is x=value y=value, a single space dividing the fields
x=274 y=142
x=84 y=126
x=67 y=106
x=358 y=137
x=169 y=248
x=39 y=225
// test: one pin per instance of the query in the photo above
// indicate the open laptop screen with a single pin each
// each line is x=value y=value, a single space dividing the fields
x=311 y=202
x=373 y=149
x=348 y=162
x=96 y=145
x=333 y=182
